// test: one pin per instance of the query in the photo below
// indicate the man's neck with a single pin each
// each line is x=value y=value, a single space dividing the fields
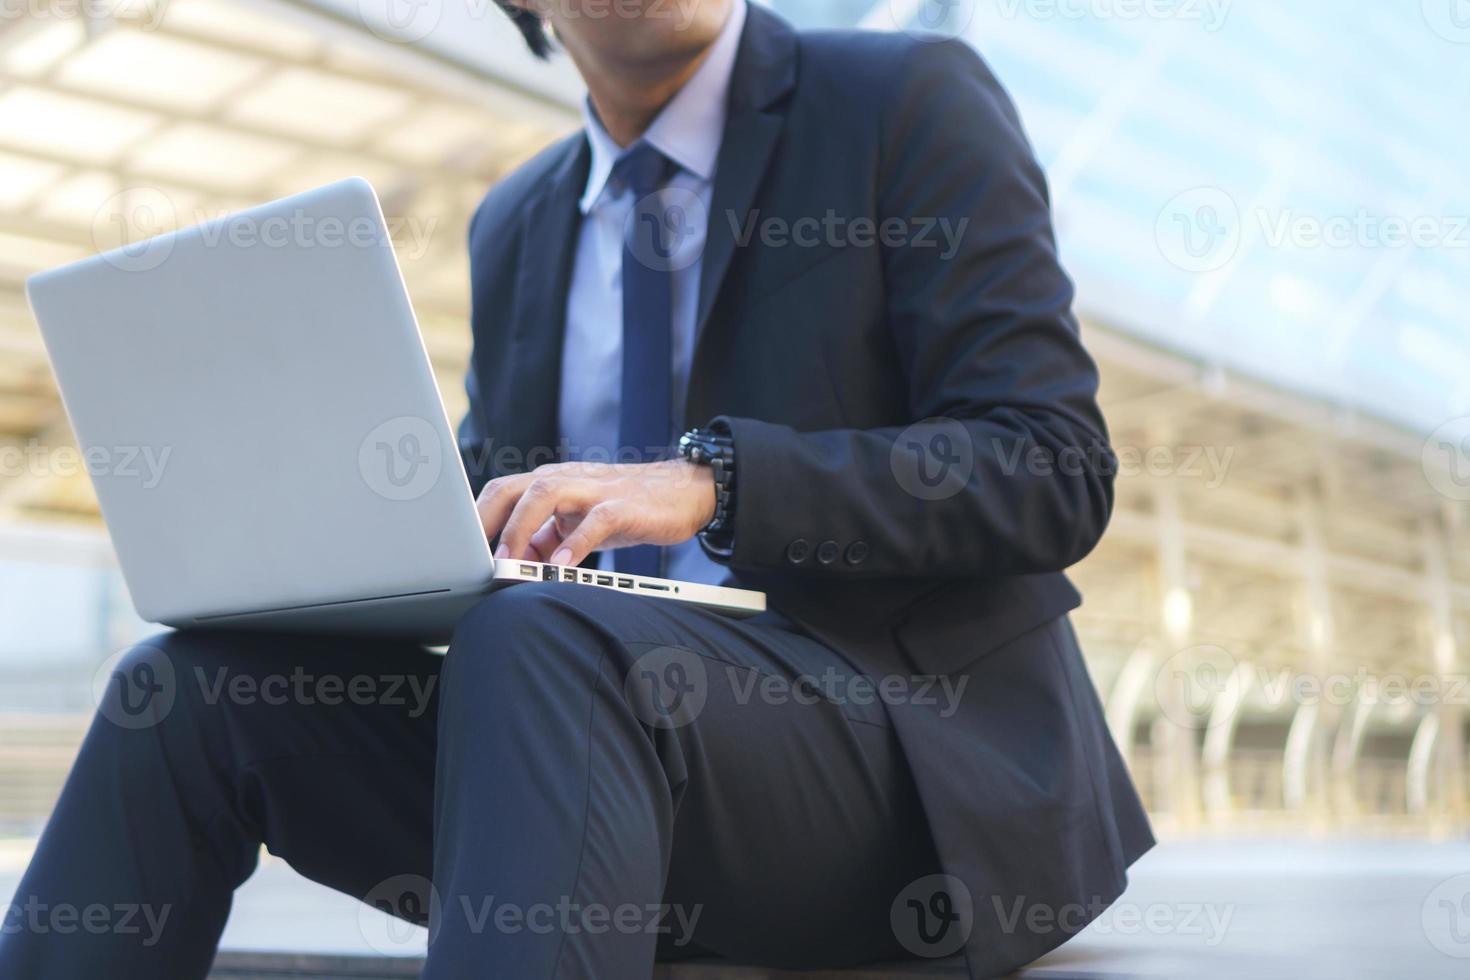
x=628 y=102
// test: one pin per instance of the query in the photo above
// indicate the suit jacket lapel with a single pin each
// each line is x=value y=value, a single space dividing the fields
x=765 y=71
x=547 y=252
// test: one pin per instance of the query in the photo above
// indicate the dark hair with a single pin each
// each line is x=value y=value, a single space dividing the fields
x=530 y=26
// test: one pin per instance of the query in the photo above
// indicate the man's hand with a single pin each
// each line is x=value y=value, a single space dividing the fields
x=563 y=512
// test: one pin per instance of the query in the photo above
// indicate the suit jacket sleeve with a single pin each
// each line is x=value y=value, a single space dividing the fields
x=1005 y=468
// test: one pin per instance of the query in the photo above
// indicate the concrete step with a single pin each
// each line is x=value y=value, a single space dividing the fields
x=714 y=970
x=289 y=966
x=36 y=751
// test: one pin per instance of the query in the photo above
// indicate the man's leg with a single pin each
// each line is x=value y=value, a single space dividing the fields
x=206 y=746
x=603 y=754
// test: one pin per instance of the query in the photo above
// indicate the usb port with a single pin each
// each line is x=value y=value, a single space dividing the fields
x=625 y=583
x=569 y=575
x=654 y=586
x=604 y=580
x=529 y=571
x=548 y=573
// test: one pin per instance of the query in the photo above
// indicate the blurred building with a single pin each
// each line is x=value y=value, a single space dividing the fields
x=1279 y=618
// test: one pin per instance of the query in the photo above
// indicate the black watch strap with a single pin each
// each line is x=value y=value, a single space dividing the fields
x=716 y=450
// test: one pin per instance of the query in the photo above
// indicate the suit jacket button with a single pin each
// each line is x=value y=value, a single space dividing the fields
x=857 y=552
x=827 y=552
x=798 y=551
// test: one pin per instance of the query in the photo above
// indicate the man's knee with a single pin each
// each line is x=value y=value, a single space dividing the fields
x=542 y=614
x=149 y=720
x=175 y=682
x=142 y=687
x=533 y=640
x=510 y=622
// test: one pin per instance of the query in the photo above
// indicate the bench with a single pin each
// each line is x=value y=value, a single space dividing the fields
x=292 y=966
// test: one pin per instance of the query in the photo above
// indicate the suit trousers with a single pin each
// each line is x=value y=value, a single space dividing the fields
x=586 y=781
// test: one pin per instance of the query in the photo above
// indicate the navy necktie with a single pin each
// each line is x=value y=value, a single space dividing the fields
x=645 y=420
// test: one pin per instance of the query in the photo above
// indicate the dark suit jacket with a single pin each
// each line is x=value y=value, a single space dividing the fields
x=826 y=357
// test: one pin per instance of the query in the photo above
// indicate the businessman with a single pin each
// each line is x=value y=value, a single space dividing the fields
x=786 y=313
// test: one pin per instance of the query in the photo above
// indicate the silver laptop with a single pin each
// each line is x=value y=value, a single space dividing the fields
x=269 y=449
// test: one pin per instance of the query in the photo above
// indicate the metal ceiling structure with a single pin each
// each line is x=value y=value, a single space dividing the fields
x=161 y=115
x=1322 y=555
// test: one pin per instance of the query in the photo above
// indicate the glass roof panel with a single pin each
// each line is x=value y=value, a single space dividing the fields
x=240 y=25
x=31 y=48
x=436 y=133
x=22 y=178
x=158 y=69
x=197 y=153
x=313 y=104
x=69 y=126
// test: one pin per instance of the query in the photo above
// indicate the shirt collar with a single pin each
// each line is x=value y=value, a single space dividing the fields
x=689 y=129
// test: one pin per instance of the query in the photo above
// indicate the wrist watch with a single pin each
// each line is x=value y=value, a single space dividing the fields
x=715 y=449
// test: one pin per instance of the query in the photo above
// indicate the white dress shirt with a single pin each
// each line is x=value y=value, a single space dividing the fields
x=688 y=131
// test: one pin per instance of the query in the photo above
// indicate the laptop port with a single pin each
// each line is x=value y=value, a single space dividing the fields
x=548 y=573
x=625 y=583
x=569 y=575
x=604 y=580
x=529 y=571
x=654 y=586
x=587 y=578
